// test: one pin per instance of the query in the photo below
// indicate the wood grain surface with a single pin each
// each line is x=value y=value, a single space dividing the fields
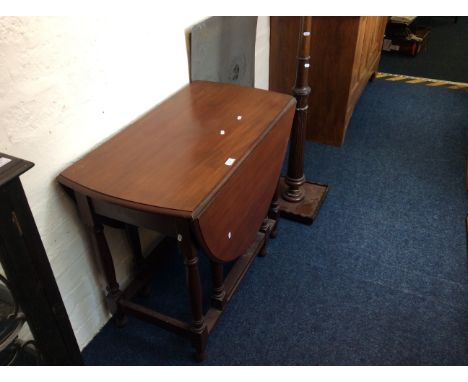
x=230 y=223
x=172 y=160
x=344 y=54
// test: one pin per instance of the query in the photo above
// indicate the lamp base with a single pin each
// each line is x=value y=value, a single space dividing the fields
x=307 y=209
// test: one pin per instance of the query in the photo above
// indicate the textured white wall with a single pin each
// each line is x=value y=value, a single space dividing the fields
x=262 y=53
x=67 y=84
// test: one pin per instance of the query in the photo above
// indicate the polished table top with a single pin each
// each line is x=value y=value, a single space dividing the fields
x=179 y=154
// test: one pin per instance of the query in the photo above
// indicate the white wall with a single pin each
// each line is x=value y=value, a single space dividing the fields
x=66 y=84
x=262 y=53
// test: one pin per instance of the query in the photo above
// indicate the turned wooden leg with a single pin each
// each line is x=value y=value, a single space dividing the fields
x=274 y=212
x=198 y=328
x=266 y=229
x=134 y=241
x=133 y=238
x=218 y=297
x=270 y=223
x=101 y=250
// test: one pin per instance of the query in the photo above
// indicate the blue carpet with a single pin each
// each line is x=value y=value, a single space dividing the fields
x=445 y=57
x=380 y=278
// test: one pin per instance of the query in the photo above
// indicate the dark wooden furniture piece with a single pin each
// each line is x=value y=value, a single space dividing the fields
x=28 y=271
x=202 y=167
x=404 y=36
x=344 y=55
x=300 y=200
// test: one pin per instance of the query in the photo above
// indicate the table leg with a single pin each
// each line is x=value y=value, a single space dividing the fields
x=270 y=229
x=133 y=238
x=198 y=328
x=101 y=250
x=273 y=212
x=266 y=229
x=218 y=298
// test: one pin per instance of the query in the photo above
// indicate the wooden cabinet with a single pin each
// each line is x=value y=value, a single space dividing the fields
x=345 y=54
x=30 y=278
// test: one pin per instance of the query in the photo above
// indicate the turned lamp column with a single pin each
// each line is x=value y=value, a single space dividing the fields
x=295 y=178
x=300 y=200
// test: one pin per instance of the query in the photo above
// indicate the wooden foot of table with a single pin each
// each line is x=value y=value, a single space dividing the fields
x=274 y=212
x=102 y=252
x=307 y=209
x=200 y=340
x=201 y=326
x=267 y=227
x=189 y=252
x=274 y=232
x=218 y=296
x=200 y=357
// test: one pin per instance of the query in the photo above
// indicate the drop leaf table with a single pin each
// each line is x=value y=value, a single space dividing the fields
x=202 y=168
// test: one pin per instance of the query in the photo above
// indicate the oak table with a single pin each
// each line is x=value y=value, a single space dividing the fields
x=201 y=167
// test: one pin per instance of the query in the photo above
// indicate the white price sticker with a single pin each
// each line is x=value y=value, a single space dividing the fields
x=230 y=162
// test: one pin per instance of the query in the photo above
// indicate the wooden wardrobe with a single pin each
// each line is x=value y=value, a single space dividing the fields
x=345 y=54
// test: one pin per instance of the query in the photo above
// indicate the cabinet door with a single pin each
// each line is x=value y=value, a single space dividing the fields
x=375 y=41
x=345 y=51
x=367 y=55
x=362 y=59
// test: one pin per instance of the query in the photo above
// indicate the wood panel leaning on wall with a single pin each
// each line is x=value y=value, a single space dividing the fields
x=344 y=56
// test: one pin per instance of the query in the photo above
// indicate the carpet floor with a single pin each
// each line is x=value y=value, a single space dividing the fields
x=380 y=278
x=445 y=56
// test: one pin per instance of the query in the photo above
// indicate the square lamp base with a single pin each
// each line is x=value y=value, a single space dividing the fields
x=307 y=209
